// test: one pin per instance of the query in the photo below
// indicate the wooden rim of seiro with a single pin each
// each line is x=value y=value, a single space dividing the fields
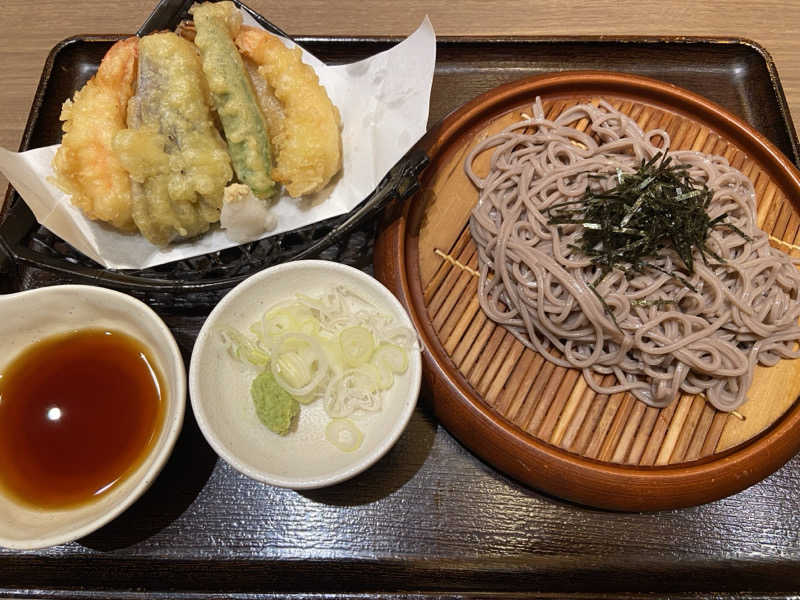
x=542 y=424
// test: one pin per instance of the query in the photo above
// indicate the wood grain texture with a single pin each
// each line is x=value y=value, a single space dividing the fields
x=28 y=30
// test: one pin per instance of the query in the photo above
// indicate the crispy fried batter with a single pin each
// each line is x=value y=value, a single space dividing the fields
x=175 y=155
x=308 y=144
x=270 y=106
x=233 y=94
x=85 y=165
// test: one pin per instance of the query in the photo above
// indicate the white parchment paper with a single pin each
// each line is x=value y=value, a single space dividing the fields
x=383 y=101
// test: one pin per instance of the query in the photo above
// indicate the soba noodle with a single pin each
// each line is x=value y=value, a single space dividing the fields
x=656 y=335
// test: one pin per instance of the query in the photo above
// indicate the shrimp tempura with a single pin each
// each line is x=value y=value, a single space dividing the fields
x=85 y=165
x=308 y=142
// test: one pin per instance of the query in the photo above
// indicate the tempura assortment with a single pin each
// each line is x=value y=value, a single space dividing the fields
x=153 y=141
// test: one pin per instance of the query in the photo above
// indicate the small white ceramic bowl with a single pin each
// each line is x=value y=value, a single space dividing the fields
x=30 y=316
x=219 y=386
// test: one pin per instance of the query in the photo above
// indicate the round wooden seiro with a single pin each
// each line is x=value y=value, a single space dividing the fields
x=541 y=423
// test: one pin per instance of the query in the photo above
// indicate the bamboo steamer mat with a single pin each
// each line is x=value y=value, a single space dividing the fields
x=539 y=422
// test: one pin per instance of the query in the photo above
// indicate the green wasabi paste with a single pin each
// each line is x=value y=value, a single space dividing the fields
x=275 y=407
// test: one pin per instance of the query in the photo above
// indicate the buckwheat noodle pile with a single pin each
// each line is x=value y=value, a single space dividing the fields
x=663 y=338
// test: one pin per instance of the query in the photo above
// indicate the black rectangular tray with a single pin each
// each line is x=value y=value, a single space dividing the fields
x=429 y=519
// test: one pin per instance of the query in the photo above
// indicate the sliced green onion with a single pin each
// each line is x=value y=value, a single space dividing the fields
x=292 y=367
x=276 y=323
x=243 y=349
x=308 y=398
x=357 y=345
x=338 y=347
x=393 y=357
x=344 y=434
x=384 y=379
x=316 y=362
x=352 y=390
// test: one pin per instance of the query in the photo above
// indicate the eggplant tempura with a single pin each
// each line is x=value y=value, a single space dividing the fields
x=175 y=155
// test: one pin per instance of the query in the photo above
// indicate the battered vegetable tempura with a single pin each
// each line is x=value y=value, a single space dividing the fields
x=85 y=165
x=175 y=156
x=233 y=94
x=308 y=142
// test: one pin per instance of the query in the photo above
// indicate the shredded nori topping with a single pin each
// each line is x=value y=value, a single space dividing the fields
x=656 y=207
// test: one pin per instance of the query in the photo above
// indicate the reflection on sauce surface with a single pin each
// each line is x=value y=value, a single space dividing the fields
x=78 y=411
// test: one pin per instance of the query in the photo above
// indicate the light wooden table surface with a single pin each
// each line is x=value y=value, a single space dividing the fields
x=29 y=29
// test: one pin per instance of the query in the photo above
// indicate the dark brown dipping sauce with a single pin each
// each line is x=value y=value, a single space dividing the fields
x=78 y=412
